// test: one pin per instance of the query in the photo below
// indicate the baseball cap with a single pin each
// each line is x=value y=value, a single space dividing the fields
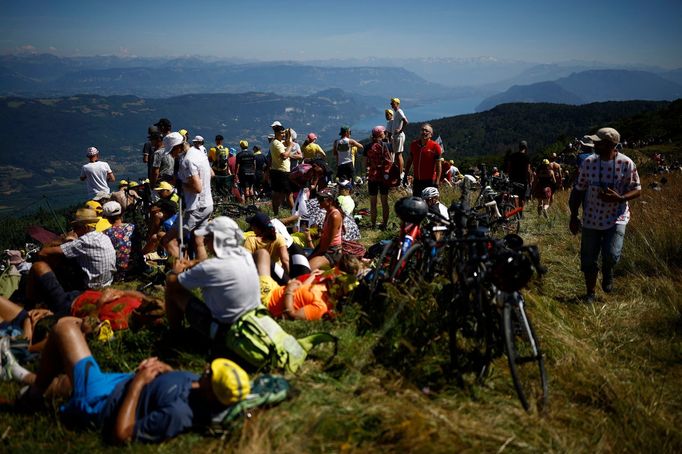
x=523 y=144
x=92 y=151
x=312 y=136
x=344 y=129
x=378 y=130
x=607 y=135
x=243 y=144
x=395 y=100
x=183 y=132
x=198 y=139
x=326 y=193
x=388 y=112
x=164 y=186
x=171 y=140
x=226 y=235
x=259 y=219
x=123 y=183
x=230 y=383
x=276 y=124
x=345 y=184
x=294 y=134
x=545 y=161
x=111 y=209
x=163 y=122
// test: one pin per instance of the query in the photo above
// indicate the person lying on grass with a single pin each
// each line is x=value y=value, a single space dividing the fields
x=151 y=404
x=309 y=297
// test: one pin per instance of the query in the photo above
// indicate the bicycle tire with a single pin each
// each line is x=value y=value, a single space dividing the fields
x=380 y=268
x=232 y=210
x=526 y=361
x=513 y=222
x=409 y=265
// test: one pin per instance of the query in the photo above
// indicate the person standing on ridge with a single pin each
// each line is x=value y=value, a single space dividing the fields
x=218 y=158
x=246 y=171
x=397 y=131
x=310 y=148
x=519 y=171
x=96 y=173
x=343 y=154
x=606 y=181
x=280 y=154
x=426 y=155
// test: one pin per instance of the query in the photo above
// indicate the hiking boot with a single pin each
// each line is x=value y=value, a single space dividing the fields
x=607 y=283
x=590 y=298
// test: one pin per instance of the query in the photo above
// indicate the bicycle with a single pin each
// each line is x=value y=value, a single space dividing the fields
x=234 y=210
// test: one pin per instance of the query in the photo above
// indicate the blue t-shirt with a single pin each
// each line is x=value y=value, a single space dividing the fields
x=163 y=410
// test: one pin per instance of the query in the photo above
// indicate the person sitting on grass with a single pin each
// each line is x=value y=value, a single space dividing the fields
x=151 y=404
x=266 y=237
x=125 y=240
x=309 y=297
x=329 y=249
x=228 y=282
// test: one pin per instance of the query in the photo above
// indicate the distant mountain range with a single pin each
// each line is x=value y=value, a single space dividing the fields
x=593 y=86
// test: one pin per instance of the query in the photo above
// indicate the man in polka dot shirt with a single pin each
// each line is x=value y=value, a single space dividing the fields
x=606 y=181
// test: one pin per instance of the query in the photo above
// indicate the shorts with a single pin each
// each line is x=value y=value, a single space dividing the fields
x=279 y=181
x=333 y=254
x=267 y=286
x=91 y=389
x=201 y=320
x=345 y=171
x=246 y=181
x=58 y=300
x=376 y=187
x=398 y=142
x=608 y=242
x=15 y=325
x=192 y=220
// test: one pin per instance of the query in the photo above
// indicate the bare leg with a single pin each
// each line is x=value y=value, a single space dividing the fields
x=8 y=310
x=384 y=209
x=276 y=202
x=262 y=259
x=200 y=247
x=318 y=262
x=177 y=298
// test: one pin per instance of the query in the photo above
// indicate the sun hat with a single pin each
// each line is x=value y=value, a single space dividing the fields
x=230 y=383
x=172 y=140
x=606 y=135
x=111 y=209
x=312 y=136
x=586 y=142
x=85 y=216
x=164 y=186
x=260 y=220
x=226 y=235
x=92 y=151
x=378 y=130
x=101 y=195
x=243 y=144
x=198 y=139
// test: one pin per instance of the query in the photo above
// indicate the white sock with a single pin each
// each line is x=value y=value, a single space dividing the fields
x=19 y=373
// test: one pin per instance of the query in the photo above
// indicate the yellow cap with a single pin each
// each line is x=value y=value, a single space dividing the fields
x=164 y=186
x=388 y=112
x=123 y=183
x=395 y=100
x=230 y=382
x=94 y=205
x=243 y=144
x=183 y=132
x=545 y=161
x=133 y=184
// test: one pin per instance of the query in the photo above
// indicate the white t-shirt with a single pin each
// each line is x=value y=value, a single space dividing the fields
x=344 y=151
x=229 y=286
x=398 y=116
x=195 y=162
x=95 y=174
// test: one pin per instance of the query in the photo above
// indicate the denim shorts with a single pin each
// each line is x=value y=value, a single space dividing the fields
x=608 y=243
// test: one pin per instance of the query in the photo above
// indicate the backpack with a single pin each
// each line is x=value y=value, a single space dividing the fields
x=259 y=340
x=266 y=391
x=222 y=158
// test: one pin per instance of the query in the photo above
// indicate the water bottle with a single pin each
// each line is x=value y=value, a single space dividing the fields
x=407 y=244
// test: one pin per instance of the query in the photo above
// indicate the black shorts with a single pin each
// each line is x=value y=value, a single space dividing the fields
x=246 y=181
x=279 y=181
x=376 y=187
x=345 y=172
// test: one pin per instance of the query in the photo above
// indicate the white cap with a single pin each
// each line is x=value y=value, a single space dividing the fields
x=226 y=235
x=277 y=123
x=92 y=151
x=198 y=139
x=171 y=140
x=294 y=135
x=111 y=209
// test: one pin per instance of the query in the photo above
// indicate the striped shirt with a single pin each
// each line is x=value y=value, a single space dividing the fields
x=96 y=256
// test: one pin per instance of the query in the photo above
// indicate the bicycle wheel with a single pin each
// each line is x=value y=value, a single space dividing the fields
x=232 y=210
x=526 y=362
x=383 y=266
x=471 y=338
x=410 y=265
x=512 y=223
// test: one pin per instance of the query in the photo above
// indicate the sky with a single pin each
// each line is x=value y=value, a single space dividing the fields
x=609 y=31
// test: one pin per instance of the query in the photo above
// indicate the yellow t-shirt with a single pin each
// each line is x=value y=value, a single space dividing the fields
x=312 y=151
x=253 y=243
x=277 y=148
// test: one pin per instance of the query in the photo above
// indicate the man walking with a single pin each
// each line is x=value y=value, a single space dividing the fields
x=96 y=173
x=606 y=181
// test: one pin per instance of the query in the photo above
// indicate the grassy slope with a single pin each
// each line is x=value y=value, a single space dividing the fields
x=614 y=369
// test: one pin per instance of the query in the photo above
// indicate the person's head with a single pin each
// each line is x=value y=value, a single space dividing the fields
x=112 y=211
x=219 y=139
x=156 y=140
x=344 y=131
x=224 y=382
x=122 y=184
x=552 y=157
x=605 y=140
x=389 y=114
x=326 y=198
x=173 y=144
x=545 y=163
x=349 y=264
x=256 y=149
x=395 y=103
x=586 y=145
x=378 y=133
x=312 y=137
x=164 y=126
x=426 y=132
x=523 y=146
x=185 y=134
x=345 y=187
x=84 y=220
x=244 y=144
x=262 y=226
x=92 y=154
x=198 y=141
x=430 y=195
x=278 y=130
x=222 y=236
x=164 y=189
x=167 y=207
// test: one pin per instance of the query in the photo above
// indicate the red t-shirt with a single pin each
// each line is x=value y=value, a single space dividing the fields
x=424 y=159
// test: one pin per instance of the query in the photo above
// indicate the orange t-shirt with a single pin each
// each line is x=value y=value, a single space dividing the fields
x=313 y=298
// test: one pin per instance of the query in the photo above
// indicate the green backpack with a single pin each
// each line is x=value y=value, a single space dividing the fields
x=259 y=340
x=266 y=391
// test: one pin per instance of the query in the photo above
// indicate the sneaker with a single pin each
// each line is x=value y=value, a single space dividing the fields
x=7 y=360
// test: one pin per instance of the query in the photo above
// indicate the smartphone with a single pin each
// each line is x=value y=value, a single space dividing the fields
x=304 y=225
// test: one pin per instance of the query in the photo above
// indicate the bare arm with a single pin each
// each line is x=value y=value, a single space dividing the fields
x=325 y=240
x=284 y=257
x=439 y=170
x=111 y=177
x=356 y=144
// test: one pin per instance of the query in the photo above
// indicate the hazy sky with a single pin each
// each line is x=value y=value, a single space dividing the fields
x=612 y=31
